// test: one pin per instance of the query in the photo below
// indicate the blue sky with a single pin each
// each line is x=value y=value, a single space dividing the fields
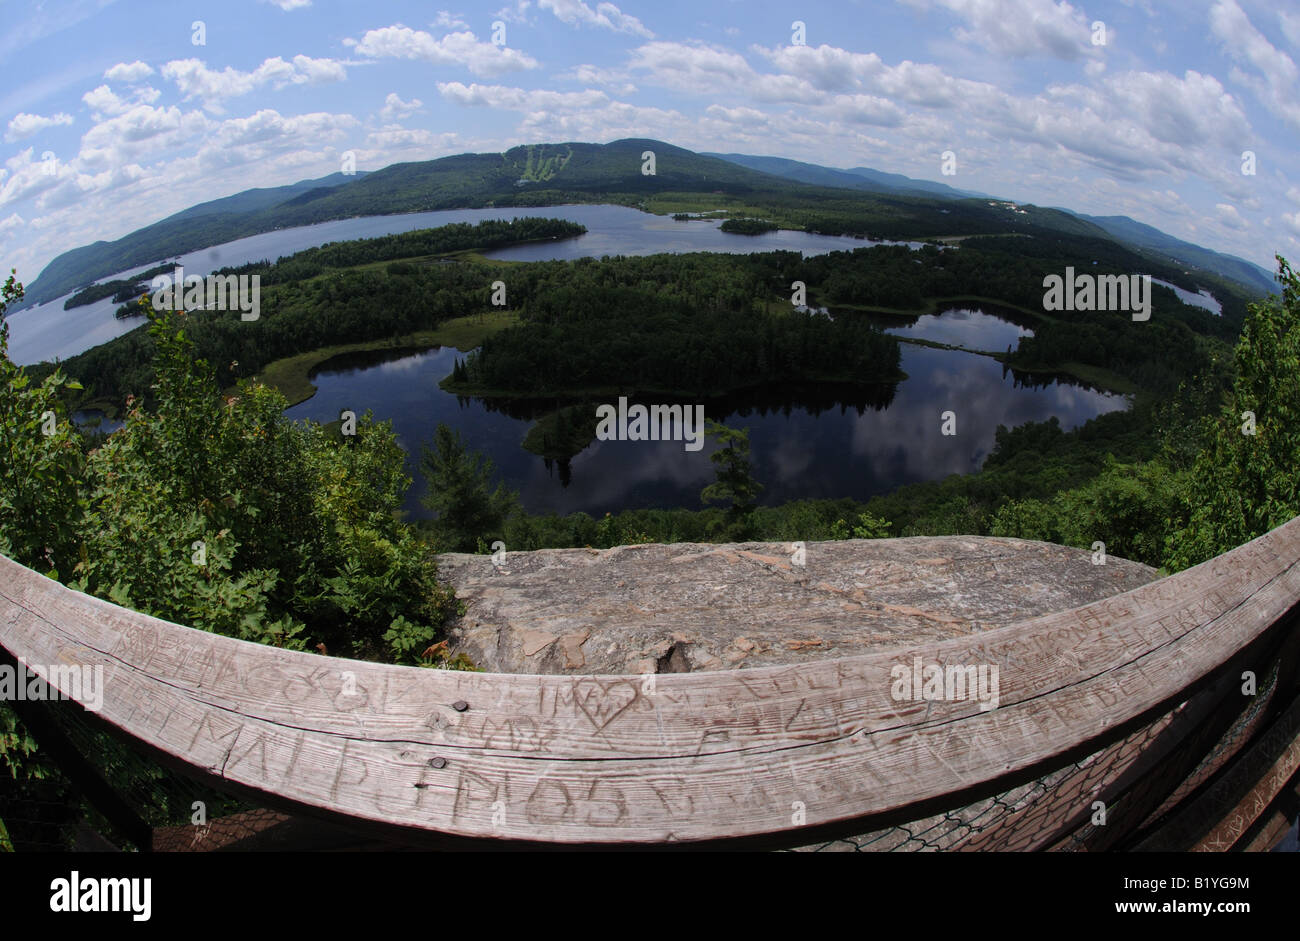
x=140 y=122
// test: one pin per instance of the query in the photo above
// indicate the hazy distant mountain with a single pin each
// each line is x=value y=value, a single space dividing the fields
x=222 y=220
x=1186 y=253
x=1133 y=233
x=863 y=178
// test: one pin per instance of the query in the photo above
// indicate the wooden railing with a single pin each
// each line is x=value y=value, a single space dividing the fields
x=1134 y=706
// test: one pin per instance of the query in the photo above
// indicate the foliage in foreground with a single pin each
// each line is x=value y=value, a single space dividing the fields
x=223 y=514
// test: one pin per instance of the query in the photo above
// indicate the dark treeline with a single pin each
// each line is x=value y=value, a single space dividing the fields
x=458 y=236
x=748 y=226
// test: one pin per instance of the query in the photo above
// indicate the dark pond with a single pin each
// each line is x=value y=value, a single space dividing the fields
x=805 y=442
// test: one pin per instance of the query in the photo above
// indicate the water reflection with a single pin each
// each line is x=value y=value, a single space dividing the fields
x=806 y=441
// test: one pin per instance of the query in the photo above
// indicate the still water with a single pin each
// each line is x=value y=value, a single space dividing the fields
x=806 y=443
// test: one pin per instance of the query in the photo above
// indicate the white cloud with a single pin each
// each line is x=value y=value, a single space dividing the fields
x=10 y=223
x=195 y=80
x=447 y=20
x=613 y=79
x=518 y=13
x=1290 y=27
x=1276 y=85
x=607 y=15
x=24 y=125
x=129 y=73
x=287 y=5
x=696 y=66
x=402 y=42
x=519 y=99
x=1021 y=28
x=395 y=108
x=104 y=102
x=1229 y=216
x=317 y=71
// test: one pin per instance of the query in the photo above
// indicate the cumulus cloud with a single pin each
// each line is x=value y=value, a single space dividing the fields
x=195 y=80
x=287 y=5
x=514 y=13
x=1020 y=28
x=24 y=125
x=103 y=101
x=1275 y=85
x=395 y=108
x=606 y=15
x=446 y=20
x=614 y=79
x=1229 y=216
x=519 y=99
x=1290 y=27
x=462 y=48
x=691 y=67
x=129 y=73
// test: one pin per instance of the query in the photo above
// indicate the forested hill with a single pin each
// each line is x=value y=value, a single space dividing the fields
x=539 y=175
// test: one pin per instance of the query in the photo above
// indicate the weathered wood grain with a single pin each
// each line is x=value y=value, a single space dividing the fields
x=611 y=760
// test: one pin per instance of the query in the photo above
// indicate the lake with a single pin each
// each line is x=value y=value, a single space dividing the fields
x=805 y=443
x=1203 y=299
x=47 y=331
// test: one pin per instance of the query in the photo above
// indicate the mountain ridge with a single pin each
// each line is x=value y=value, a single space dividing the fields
x=859 y=201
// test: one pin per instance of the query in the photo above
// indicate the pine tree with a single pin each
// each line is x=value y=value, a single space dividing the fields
x=735 y=476
x=461 y=496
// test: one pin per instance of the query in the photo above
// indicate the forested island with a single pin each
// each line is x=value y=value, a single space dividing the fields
x=748 y=226
x=122 y=289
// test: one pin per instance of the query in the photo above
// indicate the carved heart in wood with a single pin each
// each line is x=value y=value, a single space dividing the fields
x=602 y=703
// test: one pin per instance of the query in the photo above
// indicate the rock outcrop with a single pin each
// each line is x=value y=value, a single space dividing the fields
x=691 y=607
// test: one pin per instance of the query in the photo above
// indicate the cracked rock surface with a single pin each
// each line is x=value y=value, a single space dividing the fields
x=693 y=607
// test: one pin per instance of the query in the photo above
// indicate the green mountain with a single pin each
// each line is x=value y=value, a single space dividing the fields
x=1148 y=241
x=220 y=221
x=859 y=202
x=574 y=172
x=861 y=178
x=1165 y=247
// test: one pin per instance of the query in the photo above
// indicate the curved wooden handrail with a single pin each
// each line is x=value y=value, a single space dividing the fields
x=774 y=753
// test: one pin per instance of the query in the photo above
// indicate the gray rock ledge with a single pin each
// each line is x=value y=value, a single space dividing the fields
x=693 y=607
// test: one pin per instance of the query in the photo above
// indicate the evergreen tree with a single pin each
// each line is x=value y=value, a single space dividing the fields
x=466 y=507
x=735 y=476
